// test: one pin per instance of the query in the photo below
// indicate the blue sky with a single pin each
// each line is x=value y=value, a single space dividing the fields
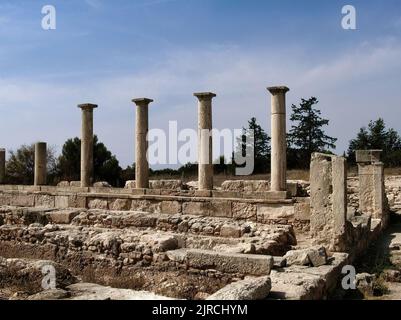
x=108 y=52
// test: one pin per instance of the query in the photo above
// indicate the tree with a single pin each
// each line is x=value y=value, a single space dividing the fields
x=21 y=165
x=376 y=136
x=105 y=165
x=255 y=139
x=307 y=135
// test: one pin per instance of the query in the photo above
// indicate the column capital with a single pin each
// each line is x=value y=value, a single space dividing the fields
x=278 y=89
x=142 y=101
x=205 y=95
x=87 y=106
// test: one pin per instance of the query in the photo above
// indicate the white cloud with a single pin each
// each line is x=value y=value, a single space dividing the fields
x=353 y=88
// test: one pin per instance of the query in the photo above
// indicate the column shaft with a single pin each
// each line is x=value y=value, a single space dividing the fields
x=278 y=139
x=40 y=164
x=205 y=141
x=87 y=145
x=141 y=148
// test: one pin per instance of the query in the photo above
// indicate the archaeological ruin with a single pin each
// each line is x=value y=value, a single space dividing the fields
x=166 y=239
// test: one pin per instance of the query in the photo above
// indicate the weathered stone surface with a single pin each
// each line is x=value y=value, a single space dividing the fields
x=171 y=207
x=246 y=185
x=22 y=200
x=315 y=257
x=63 y=184
x=247 y=289
x=266 y=213
x=90 y=291
x=46 y=201
x=51 y=294
x=97 y=204
x=244 y=211
x=61 y=202
x=232 y=263
x=292 y=285
x=230 y=231
x=120 y=204
x=63 y=216
x=102 y=184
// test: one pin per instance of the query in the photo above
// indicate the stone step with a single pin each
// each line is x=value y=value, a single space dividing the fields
x=251 y=236
x=224 y=262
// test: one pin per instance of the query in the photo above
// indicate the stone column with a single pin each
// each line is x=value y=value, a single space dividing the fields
x=205 y=142
x=87 y=144
x=372 y=197
x=2 y=165
x=40 y=163
x=278 y=139
x=141 y=148
x=328 y=202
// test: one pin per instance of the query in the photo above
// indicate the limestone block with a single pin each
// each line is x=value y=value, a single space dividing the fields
x=22 y=200
x=302 y=210
x=63 y=216
x=196 y=208
x=220 y=209
x=63 y=184
x=146 y=206
x=247 y=289
x=230 y=231
x=231 y=263
x=243 y=210
x=46 y=201
x=315 y=256
x=97 y=204
x=277 y=212
x=120 y=205
x=171 y=207
x=61 y=202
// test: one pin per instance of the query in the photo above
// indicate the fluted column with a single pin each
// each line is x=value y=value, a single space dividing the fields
x=40 y=163
x=141 y=148
x=87 y=144
x=205 y=142
x=278 y=139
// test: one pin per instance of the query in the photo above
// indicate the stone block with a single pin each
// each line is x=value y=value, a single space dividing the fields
x=231 y=263
x=268 y=212
x=120 y=204
x=196 y=208
x=47 y=201
x=63 y=216
x=22 y=200
x=97 y=204
x=171 y=207
x=61 y=202
x=244 y=210
x=247 y=289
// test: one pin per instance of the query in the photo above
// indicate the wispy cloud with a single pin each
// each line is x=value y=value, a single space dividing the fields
x=352 y=88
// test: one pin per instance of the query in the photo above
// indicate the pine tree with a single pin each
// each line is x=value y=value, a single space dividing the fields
x=255 y=139
x=376 y=136
x=307 y=135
